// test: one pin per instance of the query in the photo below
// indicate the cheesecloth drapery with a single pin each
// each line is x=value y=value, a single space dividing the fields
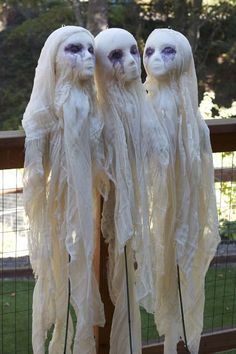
x=193 y=241
x=125 y=220
x=62 y=131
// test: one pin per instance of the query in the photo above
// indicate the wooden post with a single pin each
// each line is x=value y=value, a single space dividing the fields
x=12 y=149
x=103 y=333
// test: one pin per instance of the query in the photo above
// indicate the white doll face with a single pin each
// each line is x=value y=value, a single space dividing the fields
x=161 y=58
x=77 y=53
x=117 y=55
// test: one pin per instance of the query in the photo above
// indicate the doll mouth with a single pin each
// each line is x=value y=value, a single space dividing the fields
x=132 y=75
x=133 y=71
x=133 y=67
x=89 y=66
x=159 y=69
x=157 y=66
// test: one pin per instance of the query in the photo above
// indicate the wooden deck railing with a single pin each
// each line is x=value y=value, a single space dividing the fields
x=223 y=138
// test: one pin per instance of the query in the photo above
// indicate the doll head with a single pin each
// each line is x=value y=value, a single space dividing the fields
x=76 y=56
x=66 y=54
x=167 y=54
x=117 y=55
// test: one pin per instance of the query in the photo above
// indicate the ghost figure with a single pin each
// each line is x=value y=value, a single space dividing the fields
x=172 y=89
x=125 y=223
x=62 y=131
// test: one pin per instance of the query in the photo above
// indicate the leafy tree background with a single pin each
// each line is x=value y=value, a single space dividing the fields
x=25 y=25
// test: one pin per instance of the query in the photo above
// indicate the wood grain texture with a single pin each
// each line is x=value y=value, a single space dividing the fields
x=210 y=343
x=12 y=149
x=222 y=134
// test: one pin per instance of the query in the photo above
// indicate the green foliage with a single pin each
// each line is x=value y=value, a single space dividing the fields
x=20 y=48
x=210 y=28
x=16 y=311
x=16 y=297
x=123 y=15
x=228 y=229
x=216 y=54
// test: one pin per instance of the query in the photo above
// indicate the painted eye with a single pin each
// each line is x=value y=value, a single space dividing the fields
x=91 y=50
x=168 y=51
x=149 y=51
x=74 y=48
x=115 y=55
x=134 y=50
x=168 y=54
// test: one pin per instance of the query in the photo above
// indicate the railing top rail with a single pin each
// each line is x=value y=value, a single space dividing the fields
x=222 y=132
x=219 y=126
x=12 y=149
x=9 y=134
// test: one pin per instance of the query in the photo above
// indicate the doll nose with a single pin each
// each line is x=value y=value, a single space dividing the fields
x=157 y=57
x=88 y=55
x=130 y=61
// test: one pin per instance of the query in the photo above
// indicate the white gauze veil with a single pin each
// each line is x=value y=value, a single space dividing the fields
x=125 y=213
x=195 y=235
x=62 y=129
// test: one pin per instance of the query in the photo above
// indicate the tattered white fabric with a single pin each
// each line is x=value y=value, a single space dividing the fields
x=125 y=214
x=62 y=131
x=192 y=240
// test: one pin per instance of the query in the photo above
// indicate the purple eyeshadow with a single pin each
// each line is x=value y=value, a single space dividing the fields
x=91 y=50
x=74 y=48
x=134 y=50
x=168 y=53
x=115 y=55
x=149 y=51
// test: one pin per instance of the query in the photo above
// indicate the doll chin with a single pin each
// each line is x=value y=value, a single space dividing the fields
x=86 y=74
x=132 y=75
